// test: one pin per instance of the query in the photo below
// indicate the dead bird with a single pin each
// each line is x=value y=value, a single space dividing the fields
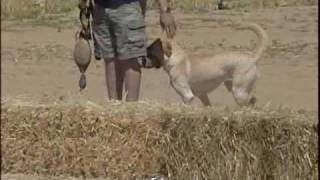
x=82 y=50
x=82 y=57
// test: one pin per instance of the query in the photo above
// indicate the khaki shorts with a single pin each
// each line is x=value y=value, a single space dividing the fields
x=119 y=31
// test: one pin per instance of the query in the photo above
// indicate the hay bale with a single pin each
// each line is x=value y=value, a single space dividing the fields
x=132 y=140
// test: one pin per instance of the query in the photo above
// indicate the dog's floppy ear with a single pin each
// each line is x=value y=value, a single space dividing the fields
x=155 y=53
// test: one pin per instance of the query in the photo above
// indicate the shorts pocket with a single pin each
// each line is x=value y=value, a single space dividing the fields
x=136 y=33
x=134 y=25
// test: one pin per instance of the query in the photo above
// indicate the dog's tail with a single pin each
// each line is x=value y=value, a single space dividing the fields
x=262 y=38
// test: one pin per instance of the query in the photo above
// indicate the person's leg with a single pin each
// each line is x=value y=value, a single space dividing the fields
x=129 y=30
x=104 y=46
x=114 y=79
x=132 y=78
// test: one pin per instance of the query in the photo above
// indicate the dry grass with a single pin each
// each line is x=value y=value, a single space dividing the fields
x=21 y=9
x=179 y=142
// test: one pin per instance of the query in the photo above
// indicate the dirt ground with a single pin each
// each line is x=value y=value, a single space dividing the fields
x=37 y=64
x=37 y=60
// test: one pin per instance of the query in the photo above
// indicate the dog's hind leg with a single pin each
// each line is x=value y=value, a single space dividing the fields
x=242 y=86
x=240 y=97
x=205 y=99
x=243 y=98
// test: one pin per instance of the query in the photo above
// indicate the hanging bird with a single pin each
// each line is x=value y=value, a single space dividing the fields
x=82 y=57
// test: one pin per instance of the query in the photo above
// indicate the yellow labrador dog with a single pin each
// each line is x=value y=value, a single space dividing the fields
x=196 y=76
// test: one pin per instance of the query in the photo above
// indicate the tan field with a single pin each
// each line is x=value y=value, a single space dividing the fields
x=37 y=60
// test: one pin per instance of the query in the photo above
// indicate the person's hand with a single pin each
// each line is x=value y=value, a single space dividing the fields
x=168 y=23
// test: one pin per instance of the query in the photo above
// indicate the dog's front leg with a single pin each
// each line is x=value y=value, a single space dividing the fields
x=181 y=85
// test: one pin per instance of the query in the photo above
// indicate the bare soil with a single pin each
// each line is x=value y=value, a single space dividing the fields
x=37 y=60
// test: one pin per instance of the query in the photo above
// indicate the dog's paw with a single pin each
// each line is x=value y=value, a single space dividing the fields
x=188 y=100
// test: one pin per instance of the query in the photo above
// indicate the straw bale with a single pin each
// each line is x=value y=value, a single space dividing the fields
x=179 y=142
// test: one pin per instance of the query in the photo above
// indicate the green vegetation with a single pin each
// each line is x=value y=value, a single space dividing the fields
x=26 y=9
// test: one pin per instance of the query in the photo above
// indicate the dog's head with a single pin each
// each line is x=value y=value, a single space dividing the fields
x=161 y=52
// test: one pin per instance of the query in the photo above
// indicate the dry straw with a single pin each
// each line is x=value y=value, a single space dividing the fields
x=21 y=9
x=137 y=139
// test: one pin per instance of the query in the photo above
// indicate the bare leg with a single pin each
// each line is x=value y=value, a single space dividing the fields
x=114 y=79
x=132 y=78
x=205 y=99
